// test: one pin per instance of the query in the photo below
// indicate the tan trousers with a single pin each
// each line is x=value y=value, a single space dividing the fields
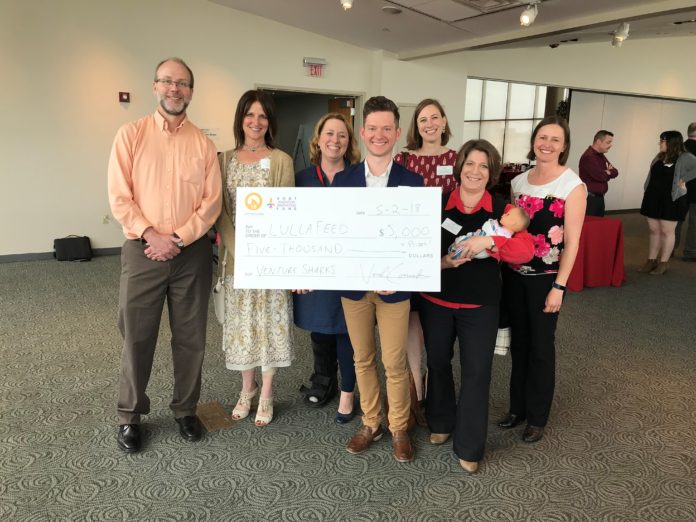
x=185 y=283
x=392 y=321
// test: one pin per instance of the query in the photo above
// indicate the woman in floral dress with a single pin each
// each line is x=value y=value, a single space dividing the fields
x=258 y=323
x=555 y=199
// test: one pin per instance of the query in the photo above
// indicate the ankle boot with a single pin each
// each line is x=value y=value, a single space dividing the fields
x=660 y=269
x=649 y=265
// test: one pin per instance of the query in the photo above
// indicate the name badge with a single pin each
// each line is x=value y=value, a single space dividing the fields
x=265 y=163
x=444 y=170
x=451 y=226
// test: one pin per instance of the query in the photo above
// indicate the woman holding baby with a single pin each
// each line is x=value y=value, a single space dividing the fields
x=467 y=306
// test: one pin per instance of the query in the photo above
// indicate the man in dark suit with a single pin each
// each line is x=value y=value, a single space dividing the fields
x=380 y=132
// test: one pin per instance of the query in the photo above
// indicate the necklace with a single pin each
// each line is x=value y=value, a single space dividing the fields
x=253 y=149
x=467 y=206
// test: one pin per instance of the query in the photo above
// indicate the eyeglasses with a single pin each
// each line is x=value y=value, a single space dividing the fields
x=181 y=84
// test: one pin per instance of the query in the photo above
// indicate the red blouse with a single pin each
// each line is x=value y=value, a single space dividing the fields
x=427 y=166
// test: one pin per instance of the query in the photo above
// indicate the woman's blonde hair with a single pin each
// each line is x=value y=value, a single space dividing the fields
x=352 y=154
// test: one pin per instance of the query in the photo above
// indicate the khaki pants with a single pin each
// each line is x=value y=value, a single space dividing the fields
x=392 y=321
x=185 y=283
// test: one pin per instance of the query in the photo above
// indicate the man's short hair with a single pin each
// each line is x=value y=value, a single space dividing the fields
x=691 y=131
x=180 y=62
x=601 y=135
x=380 y=104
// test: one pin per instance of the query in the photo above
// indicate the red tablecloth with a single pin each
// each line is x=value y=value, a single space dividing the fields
x=600 y=260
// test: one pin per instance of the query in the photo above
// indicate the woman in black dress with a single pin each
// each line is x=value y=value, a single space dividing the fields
x=664 y=201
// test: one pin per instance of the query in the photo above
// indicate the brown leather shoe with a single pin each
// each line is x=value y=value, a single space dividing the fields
x=403 y=447
x=362 y=439
x=469 y=466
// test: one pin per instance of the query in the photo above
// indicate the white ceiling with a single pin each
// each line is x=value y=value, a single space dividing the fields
x=429 y=27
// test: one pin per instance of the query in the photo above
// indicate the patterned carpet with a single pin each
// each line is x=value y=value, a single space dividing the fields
x=620 y=446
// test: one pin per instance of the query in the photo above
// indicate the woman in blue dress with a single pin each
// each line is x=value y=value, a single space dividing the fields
x=331 y=149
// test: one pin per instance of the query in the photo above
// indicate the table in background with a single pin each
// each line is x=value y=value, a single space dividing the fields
x=600 y=259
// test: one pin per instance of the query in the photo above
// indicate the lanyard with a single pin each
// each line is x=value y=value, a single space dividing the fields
x=321 y=178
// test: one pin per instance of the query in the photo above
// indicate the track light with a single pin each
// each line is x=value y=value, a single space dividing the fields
x=346 y=4
x=620 y=34
x=529 y=14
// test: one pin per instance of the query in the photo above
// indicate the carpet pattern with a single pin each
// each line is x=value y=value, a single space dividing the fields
x=620 y=445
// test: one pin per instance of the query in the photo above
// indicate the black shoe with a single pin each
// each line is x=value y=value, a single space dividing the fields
x=533 y=433
x=510 y=421
x=190 y=428
x=128 y=438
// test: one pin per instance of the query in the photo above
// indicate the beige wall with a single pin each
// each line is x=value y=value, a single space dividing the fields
x=64 y=62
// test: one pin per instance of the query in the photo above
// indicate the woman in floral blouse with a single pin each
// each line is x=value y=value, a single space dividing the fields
x=555 y=199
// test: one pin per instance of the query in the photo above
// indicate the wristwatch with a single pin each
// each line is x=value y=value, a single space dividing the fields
x=558 y=286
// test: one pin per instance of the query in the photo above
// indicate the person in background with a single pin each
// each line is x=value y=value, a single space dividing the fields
x=690 y=241
x=596 y=171
x=467 y=307
x=554 y=197
x=389 y=309
x=664 y=200
x=257 y=330
x=428 y=156
x=164 y=188
x=332 y=148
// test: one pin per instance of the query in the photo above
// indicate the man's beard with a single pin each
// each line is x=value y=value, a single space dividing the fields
x=172 y=112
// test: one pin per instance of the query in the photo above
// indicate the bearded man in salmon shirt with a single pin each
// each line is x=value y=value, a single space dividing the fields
x=165 y=190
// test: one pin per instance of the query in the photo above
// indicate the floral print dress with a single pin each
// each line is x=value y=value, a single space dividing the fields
x=545 y=205
x=258 y=323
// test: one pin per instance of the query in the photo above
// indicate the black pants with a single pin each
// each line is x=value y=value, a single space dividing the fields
x=595 y=205
x=467 y=419
x=533 y=349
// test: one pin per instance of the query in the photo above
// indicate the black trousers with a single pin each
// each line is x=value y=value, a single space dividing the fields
x=467 y=419
x=595 y=205
x=533 y=350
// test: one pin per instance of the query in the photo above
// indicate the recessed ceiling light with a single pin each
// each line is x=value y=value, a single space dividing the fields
x=391 y=9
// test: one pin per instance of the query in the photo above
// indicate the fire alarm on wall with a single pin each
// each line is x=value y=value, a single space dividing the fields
x=124 y=97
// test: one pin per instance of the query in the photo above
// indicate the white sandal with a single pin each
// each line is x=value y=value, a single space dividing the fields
x=264 y=413
x=243 y=407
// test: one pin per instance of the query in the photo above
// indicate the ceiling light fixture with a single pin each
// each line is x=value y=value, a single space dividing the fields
x=529 y=14
x=346 y=4
x=620 y=34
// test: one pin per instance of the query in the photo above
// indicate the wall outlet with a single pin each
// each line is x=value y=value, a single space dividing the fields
x=106 y=219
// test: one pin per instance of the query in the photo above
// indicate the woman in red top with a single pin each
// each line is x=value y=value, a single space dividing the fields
x=467 y=306
x=426 y=155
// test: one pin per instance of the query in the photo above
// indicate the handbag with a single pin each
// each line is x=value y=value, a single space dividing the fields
x=219 y=292
x=72 y=248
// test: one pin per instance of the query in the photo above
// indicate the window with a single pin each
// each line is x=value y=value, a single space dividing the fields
x=505 y=114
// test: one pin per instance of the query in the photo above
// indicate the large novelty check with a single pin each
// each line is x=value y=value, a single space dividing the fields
x=338 y=238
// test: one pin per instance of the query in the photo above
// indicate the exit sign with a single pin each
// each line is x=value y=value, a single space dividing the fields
x=315 y=69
